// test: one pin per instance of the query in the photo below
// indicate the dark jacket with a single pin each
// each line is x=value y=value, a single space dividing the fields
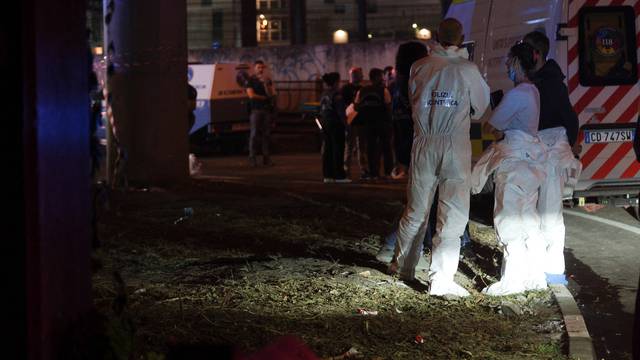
x=260 y=88
x=555 y=107
x=400 y=104
x=332 y=107
x=371 y=107
x=348 y=92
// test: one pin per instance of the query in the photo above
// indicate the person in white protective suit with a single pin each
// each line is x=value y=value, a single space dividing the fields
x=558 y=129
x=516 y=163
x=445 y=90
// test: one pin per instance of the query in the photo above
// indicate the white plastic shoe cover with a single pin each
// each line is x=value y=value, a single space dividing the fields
x=442 y=287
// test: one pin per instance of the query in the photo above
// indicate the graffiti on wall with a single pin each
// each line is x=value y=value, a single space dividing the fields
x=293 y=66
x=305 y=62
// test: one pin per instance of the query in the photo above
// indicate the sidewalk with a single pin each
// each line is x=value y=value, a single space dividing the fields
x=273 y=251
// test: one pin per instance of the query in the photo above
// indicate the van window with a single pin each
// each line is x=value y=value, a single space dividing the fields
x=607 y=46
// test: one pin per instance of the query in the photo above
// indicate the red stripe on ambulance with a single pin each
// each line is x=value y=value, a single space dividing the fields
x=606 y=168
x=632 y=171
x=611 y=108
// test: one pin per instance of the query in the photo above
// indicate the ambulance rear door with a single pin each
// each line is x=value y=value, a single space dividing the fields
x=602 y=73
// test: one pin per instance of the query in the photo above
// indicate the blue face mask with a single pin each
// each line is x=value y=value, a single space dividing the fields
x=512 y=74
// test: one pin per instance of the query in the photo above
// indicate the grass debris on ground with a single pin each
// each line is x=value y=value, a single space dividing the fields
x=251 y=265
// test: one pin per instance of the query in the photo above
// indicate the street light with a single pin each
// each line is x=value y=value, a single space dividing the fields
x=414 y=25
x=340 y=37
x=423 y=34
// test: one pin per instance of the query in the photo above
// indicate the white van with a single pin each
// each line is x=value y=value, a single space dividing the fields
x=222 y=102
x=595 y=44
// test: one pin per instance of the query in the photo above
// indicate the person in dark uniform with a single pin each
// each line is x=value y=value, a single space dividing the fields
x=407 y=54
x=355 y=133
x=261 y=93
x=333 y=117
x=373 y=103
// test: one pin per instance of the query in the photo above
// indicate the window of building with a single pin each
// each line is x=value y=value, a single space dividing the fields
x=372 y=6
x=274 y=29
x=339 y=9
x=217 y=32
x=271 y=4
x=272 y=22
x=206 y=2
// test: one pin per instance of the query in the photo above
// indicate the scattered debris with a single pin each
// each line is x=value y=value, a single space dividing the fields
x=510 y=309
x=302 y=260
x=352 y=353
x=366 y=312
x=593 y=207
x=418 y=339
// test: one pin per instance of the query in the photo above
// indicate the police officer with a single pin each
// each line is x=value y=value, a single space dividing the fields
x=261 y=94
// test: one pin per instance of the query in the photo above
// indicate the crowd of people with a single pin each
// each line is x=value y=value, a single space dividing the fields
x=413 y=120
x=371 y=123
x=424 y=107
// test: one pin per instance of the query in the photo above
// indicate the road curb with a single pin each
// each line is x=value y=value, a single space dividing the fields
x=580 y=343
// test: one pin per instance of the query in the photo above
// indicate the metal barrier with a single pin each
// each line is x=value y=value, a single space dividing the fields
x=293 y=94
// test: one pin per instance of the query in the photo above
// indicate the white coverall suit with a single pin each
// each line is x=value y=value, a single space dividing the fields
x=562 y=169
x=446 y=90
x=517 y=163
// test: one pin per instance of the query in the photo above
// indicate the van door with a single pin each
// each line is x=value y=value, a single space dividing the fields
x=495 y=27
x=602 y=75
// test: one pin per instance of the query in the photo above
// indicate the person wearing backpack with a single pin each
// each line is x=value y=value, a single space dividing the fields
x=373 y=103
x=333 y=116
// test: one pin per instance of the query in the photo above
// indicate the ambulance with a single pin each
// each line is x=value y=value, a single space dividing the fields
x=222 y=102
x=595 y=42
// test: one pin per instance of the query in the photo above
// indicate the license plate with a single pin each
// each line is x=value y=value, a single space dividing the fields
x=608 y=136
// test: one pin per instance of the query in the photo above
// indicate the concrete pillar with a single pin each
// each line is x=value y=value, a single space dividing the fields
x=248 y=23
x=147 y=83
x=362 y=20
x=56 y=226
x=298 y=17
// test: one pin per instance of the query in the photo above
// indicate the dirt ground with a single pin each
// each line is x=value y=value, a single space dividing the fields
x=239 y=257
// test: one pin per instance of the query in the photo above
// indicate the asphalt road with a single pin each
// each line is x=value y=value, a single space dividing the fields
x=603 y=261
x=602 y=248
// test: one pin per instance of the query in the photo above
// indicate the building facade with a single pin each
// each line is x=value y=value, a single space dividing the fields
x=216 y=23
